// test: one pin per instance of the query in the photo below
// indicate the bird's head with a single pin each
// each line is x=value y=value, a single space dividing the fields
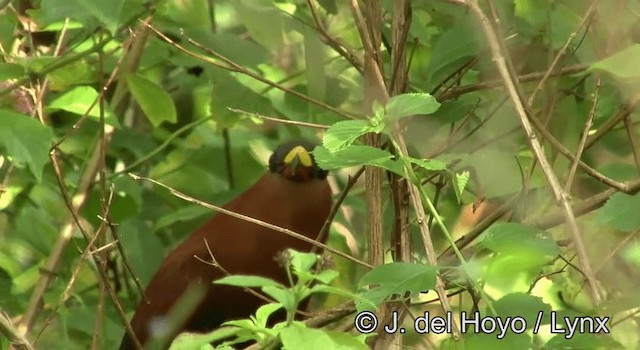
x=294 y=162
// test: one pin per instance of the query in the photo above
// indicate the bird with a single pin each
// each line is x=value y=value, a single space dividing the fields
x=293 y=193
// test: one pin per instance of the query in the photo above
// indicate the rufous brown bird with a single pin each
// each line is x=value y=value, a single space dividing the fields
x=293 y=194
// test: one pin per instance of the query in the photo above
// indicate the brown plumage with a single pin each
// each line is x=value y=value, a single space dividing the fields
x=294 y=194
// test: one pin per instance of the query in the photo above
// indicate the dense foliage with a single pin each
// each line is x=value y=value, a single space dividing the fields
x=507 y=129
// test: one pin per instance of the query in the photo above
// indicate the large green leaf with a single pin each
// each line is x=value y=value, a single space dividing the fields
x=406 y=105
x=621 y=211
x=156 y=103
x=397 y=278
x=623 y=64
x=25 y=140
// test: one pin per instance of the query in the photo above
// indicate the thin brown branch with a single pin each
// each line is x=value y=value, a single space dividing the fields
x=324 y=231
x=496 y=83
x=14 y=336
x=234 y=67
x=633 y=140
x=506 y=72
x=585 y=19
x=74 y=205
x=276 y=228
x=337 y=45
x=418 y=207
x=625 y=111
x=54 y=259
x=214 y=263
x=616 y=250
x=279 y=120
x=583 y=207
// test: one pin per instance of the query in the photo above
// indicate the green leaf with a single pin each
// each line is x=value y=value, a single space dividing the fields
x=406 y=105
x=10 y=71
x=107 y=12
x=621 y=211
x=360 y=299
x=82 y=100
x=522 y=305
x=252 y=13
x=264 y=312
x=123 y=206
x=398 y=278
x=356 y=155
x=282 y=295
x=453 y=48
x=74 y=74
x=302 y=261
x=451 y=111
x=247 y=281
x=342 y=134
x=514 y=238
x=496 y=171
x=299 y=336
x=428 y=164
x=459 y=182
x=189 y=341
x=25 y=140
x=481 y=340
x=326 y=276
x=582 y=341
x=623 y=64
x=156 y=103
x=6 y=286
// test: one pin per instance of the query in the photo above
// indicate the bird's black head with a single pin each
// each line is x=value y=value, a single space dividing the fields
x=294 y=161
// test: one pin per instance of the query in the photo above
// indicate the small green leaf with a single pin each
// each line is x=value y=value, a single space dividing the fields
x=342 y=134
x=356 y=155
x=302 y=261
x=621 y=211
x=247 y=281
x=25 y=140
x=406 y=105
x=156 y=103
x=460 y=181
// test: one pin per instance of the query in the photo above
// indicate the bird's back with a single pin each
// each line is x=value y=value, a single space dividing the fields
x=239 y=247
